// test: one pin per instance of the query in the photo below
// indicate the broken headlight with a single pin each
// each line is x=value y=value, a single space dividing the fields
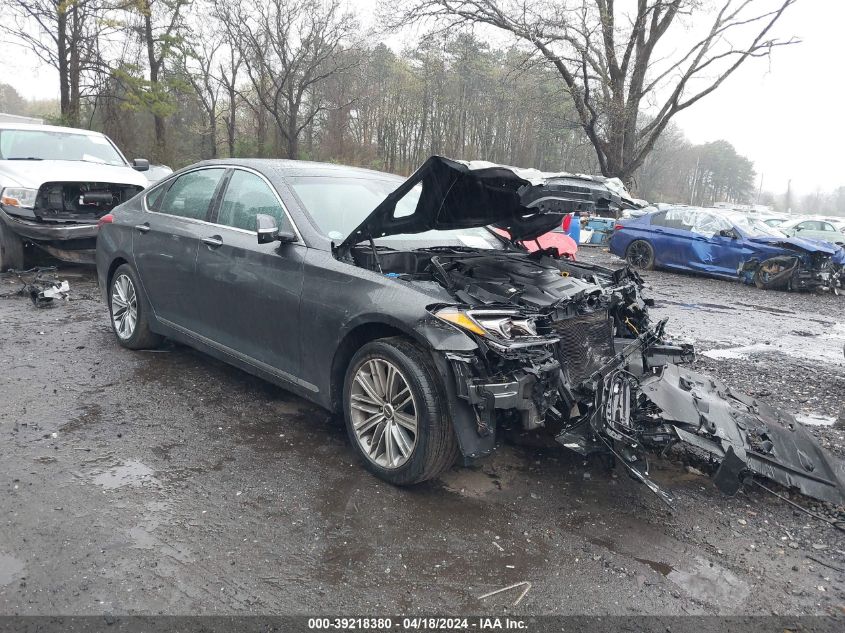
x=19 y=197
x=505 y=326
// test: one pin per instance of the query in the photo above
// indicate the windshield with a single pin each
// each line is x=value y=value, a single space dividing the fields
x=754 y=227
x=50 y=145
x=339 y=204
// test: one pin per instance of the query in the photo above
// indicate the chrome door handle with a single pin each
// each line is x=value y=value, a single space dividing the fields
x=143 y=228
x=213 y=242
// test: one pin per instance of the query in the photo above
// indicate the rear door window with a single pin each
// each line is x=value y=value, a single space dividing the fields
x=191 y=194
x=248 y=195
x=680 y=219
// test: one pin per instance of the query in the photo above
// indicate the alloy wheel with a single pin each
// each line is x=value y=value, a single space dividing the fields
x=124 y=307
x=384 y=413
x=639 y=254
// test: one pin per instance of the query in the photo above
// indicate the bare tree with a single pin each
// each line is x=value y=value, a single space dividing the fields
x=228 y=76
x=65 y=37
x=610 y=61
x=198 y=58
x=287 y=48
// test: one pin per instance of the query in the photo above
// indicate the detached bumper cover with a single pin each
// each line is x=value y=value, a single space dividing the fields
x=40 y=231
x=641 y=400
x=748 y=436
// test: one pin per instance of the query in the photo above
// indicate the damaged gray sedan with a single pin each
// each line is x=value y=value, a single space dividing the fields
x=390 y=300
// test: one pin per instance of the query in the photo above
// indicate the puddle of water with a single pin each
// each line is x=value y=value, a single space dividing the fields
x=141 y=538
x=707 y=307
x=660 y=568
x=711 y=583
x=470 y=483
x=815 y=419
x=819 y=347
x=705 y=581
x=129 y=474
x=10 y=569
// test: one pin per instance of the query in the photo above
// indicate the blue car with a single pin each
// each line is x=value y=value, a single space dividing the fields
x=728 y=245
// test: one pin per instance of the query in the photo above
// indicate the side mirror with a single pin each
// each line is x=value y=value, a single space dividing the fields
x=268 y=231
x=141 y=164
x=728 y=233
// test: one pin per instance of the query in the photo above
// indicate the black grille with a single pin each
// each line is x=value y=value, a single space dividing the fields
x=586 y=344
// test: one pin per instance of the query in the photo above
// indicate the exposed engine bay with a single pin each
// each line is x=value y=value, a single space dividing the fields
x=569 y=348
x=80 y=201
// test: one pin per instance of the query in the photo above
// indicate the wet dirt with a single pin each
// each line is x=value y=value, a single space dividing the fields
x=168 y=482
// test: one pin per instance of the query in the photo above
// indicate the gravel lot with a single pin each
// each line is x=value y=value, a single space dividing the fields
x=167 y=482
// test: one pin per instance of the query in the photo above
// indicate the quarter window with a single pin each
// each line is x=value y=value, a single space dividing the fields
x=190 y=196
x=154 y=196
x=246 y=196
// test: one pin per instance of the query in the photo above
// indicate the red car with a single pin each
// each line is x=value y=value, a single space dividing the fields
x=565 y=245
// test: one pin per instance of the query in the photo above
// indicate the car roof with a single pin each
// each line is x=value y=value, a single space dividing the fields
x=286 y=168
x=48 y=128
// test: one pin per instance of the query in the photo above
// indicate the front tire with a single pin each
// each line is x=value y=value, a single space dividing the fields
x=395 y=412
x=11 y=249
x=129 y=311
x=640 y=255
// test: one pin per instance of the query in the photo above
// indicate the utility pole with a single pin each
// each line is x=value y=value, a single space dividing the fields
x=694 y=181
x=760 y=190
x=789 y=196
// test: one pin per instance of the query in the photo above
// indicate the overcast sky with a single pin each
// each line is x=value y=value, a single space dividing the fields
x=784 y=113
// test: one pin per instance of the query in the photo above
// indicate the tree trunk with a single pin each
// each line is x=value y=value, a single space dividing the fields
x=64 y=84
x=292 y=132
x=74 y=67
x=160 y=153
x=212 y=131
x=230 y=131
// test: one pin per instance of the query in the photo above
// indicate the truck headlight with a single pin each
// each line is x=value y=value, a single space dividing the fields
x=500 y=324
x=19 y=197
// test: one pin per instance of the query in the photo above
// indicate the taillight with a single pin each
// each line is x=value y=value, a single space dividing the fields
x=617 y=227
x=108 y=218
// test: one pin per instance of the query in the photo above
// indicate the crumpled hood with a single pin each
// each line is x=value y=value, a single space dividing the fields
x=811 y=246
x=458 y=194
x=34 y=173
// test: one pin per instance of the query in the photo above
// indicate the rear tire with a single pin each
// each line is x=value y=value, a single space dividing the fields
x=11 y=249
x=129 y=310
x=640 y=255
x=388 y=383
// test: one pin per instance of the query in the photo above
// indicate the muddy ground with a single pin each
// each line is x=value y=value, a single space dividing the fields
x=167 y=482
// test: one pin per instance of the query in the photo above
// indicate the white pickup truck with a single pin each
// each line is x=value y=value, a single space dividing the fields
x=55 y=184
